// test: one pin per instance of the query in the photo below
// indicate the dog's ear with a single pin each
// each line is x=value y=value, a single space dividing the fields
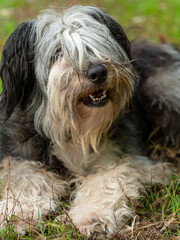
x=16 y=69
x=115 y=29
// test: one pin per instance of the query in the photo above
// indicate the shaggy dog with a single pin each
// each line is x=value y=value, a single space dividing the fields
x=75 y=103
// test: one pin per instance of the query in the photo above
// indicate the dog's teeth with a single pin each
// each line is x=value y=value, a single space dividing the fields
x=100 y=98
x=92 y=97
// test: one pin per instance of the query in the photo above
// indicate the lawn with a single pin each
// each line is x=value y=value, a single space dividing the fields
x=158 y=215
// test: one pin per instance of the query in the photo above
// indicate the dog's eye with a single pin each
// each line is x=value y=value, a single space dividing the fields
x=58 y=53
x=89 y=50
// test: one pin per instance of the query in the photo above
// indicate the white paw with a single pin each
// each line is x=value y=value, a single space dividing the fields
x=12 y=216
x=99 y=224
x=102 y=218
x=12 y=222
x=101 y=206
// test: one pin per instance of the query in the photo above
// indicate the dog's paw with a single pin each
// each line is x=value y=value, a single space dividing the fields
x=101 y=207
x=101 y=223
x=17 y=223
x=94 y=226
x=14 y=218
x=13 y=224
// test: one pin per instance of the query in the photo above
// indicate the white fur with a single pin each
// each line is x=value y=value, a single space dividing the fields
x=82 y=40
x=105 y=200
x=28 y=191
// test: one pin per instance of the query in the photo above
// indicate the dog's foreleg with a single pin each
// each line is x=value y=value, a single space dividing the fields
x=28 y=191
x=105 y=200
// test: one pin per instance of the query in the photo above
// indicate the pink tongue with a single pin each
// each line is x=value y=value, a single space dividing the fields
x=98 y=93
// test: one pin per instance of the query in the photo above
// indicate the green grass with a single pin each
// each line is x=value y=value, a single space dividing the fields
x=164 y=200
x=157 y=217
x=160 y=211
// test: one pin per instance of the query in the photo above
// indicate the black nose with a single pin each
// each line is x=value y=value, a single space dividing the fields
x=97 y=73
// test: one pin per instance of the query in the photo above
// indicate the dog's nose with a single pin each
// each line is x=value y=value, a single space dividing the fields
x=97 y=73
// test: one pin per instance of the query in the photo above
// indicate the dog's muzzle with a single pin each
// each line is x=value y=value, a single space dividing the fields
x=98 y=95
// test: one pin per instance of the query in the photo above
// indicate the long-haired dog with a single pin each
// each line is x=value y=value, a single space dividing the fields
x=76 y=101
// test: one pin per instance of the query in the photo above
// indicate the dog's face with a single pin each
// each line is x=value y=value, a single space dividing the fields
x=72 y=70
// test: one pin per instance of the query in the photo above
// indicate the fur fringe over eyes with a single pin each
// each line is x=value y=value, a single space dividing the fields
x=44 y=72
x=27 y=55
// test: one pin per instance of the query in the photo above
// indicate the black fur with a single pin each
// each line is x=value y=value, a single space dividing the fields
x=17 y=134
x=16 y=70
x=115 y=29
x=158 y=105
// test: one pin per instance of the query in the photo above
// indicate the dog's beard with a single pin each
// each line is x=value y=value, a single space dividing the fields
x=67 y=115
x=73 y=108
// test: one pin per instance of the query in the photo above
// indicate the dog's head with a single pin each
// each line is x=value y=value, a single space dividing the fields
x=71 y=70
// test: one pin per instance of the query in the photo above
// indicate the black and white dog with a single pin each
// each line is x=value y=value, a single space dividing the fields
x=68 y=82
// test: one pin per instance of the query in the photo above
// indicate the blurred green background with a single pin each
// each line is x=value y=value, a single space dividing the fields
x=155 y=20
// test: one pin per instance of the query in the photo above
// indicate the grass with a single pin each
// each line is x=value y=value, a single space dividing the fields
x=158 y=214
x=156 y=217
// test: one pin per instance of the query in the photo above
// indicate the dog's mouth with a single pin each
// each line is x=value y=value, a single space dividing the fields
x=98 y=98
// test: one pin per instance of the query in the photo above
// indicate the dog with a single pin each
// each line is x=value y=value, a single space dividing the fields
x=79 y=101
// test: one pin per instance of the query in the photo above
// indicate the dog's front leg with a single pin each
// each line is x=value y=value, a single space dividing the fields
x=103 y=203
x=28 y=191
